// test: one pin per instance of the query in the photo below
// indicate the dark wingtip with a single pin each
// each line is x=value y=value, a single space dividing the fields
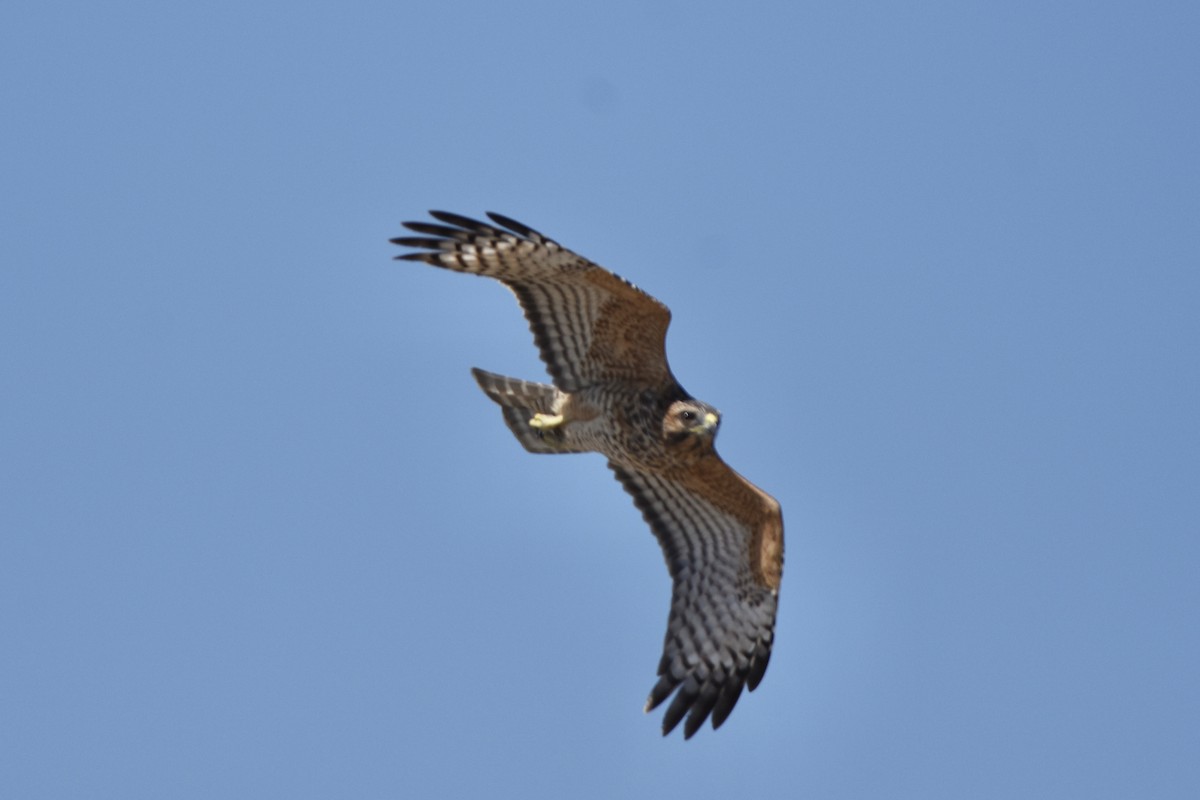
x=680 y=706
x=661 y=691
x=514 y=226
x=463 y=222
x=701 y=707
x=430 y=229
x=713 y=701
x=417 y=241
x=727 y=700
x=758 y=667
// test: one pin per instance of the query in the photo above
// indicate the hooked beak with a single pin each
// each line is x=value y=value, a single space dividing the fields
x=701 y=434
x=707 y=428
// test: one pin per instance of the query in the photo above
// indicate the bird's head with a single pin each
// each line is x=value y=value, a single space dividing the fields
x=691 y=424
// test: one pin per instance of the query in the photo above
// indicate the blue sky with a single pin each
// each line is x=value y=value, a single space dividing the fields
x=938 y=264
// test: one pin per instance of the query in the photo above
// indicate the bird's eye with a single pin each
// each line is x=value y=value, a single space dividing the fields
x=687 y=416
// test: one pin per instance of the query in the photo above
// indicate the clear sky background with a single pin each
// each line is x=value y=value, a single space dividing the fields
x=937 y=263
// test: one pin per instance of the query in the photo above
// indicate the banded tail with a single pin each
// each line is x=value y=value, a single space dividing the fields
x=519 y=401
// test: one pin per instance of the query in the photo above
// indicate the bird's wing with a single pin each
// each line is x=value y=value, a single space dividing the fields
x=723 y=542
x=590 y=324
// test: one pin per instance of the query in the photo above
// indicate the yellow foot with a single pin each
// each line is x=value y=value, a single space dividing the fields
x=545 y=421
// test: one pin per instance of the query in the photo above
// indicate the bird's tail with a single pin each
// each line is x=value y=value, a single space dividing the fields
x=520 y=401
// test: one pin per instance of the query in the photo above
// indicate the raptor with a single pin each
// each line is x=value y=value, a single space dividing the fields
x=603 y=341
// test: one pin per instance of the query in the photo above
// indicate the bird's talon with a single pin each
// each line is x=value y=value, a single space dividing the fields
x=545 y=421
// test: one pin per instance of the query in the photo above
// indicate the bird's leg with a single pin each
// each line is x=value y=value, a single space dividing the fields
x=544 y=422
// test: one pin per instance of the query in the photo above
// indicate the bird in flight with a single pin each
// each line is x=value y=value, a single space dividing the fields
x=604 y=344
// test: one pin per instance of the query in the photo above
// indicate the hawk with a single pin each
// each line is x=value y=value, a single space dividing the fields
x=604 y=344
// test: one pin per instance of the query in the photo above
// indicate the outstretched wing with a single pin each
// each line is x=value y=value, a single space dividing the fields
x=590 y=324
x=723 y=542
